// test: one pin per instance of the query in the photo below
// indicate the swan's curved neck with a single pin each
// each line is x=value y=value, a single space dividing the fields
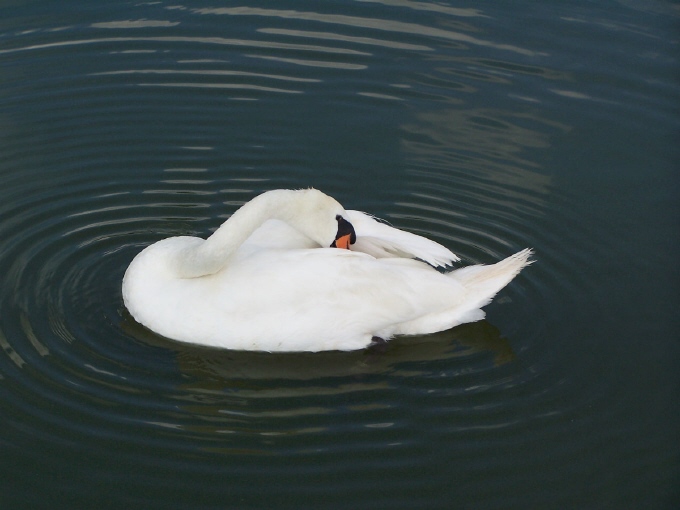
x=212 y=255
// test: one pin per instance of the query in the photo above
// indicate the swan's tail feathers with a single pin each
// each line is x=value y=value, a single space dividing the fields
x=483 y=282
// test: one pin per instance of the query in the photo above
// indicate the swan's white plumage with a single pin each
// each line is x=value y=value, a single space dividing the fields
x=266 y=280
x=383 y=241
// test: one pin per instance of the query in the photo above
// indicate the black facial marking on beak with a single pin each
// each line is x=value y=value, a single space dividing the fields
x=345 y=229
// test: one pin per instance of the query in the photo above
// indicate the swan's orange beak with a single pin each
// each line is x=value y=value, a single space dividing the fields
x=343 y=242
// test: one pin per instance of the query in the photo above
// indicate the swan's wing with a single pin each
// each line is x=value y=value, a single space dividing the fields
x=381 y=241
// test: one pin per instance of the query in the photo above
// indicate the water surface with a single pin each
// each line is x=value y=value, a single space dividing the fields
x=488 y=128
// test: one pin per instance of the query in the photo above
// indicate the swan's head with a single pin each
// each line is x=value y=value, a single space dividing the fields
x=318 y=216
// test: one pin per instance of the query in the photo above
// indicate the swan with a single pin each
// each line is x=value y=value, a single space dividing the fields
x=292 y=270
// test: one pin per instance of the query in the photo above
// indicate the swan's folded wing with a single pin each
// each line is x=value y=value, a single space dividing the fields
x=381 y=241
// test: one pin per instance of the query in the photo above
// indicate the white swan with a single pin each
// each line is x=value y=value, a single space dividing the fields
x=272 y=278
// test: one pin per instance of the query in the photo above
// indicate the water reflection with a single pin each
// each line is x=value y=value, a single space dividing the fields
x=142 y=23
x=387 y=25
x=188 y=40
x=491 y=144
x=431 y=7
x=331 y=36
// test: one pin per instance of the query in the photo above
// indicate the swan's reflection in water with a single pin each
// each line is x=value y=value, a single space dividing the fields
x=257 y=403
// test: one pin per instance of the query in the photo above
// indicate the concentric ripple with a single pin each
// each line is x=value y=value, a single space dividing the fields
x=128 y=124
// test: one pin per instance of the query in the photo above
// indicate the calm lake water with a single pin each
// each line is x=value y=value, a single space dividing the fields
x=488 y=127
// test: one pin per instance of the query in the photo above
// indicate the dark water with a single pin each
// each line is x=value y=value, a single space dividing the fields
x=488 y=127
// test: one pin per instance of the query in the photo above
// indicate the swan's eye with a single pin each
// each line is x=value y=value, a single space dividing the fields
x=338 y=217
